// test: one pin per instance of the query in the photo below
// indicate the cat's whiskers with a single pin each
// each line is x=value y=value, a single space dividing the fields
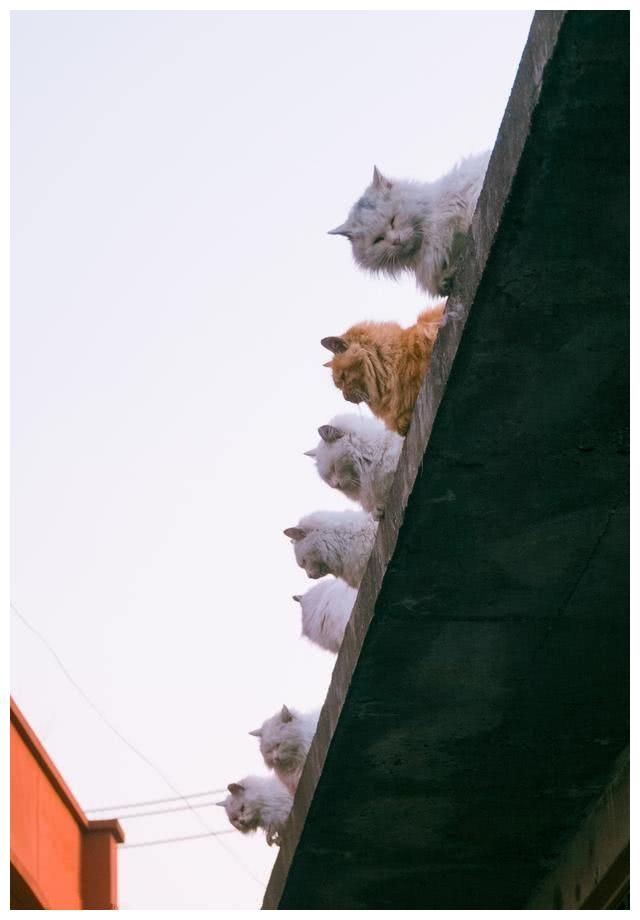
x=349 y=482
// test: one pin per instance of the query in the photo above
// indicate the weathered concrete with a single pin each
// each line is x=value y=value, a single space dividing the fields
x=593 y=871
x=479 y=700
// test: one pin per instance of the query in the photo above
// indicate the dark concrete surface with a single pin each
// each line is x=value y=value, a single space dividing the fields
x=480 y=698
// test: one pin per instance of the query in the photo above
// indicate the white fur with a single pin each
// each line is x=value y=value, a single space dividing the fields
x=358 y=455
x=399 y=226
x=335 y=543
x=285 y=740
x=326 y=609
x=258 y=801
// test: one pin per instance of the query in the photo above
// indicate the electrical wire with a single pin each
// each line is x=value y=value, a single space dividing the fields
x=162 y=811
x=155 y=843
x=132 y=747
x=173 y=798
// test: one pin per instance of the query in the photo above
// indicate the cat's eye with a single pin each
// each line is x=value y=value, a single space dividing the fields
x=379 y=239
x=393 y=220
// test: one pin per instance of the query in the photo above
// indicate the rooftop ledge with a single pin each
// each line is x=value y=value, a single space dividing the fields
x=479 y=702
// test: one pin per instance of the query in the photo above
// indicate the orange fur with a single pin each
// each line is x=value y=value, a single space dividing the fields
x=384 y=365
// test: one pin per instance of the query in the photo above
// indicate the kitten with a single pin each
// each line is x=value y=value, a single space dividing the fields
x=334 y=543
x=383 y=364
x=419 y=227
x=326 y=609
x=285 y=740
x=358 y=456
x=258 y=801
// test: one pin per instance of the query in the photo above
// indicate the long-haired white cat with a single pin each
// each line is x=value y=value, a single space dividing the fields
x=258 y=801
x=420 y=227
x=334 y=543
x=285 y=740
x=326 y=609
x=358 y=456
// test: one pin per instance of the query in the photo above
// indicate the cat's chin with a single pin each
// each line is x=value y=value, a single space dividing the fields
x=403 y=257
x=318 y=572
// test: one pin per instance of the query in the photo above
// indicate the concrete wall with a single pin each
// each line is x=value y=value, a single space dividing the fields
x=480 y=698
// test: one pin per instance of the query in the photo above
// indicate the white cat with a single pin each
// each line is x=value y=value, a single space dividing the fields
x=258 y=801
x=334 y=543
x=358 y=456
x=285 y=740
x=418 y=227
x=326 y=609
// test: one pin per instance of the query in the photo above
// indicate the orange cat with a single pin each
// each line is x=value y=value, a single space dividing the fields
x=383 y=364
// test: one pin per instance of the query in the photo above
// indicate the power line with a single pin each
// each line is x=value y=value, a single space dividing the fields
x=163 y=811
x=132 y=747
x=173 y=798
x=155 y=843
x=90 y=702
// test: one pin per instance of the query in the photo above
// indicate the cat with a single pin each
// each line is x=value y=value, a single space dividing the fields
x=383 y=364
x=358 y=456
x=326 y=609
x=285 y=740
x=398 y=226
x=258 y=801
x=334 y=543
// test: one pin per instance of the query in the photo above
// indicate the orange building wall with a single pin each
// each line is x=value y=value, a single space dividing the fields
x=58 y=856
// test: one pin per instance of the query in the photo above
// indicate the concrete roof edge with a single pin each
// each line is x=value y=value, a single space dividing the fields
x=502 y=170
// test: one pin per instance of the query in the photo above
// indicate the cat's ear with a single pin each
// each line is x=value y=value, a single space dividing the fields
x=295 y=533
x=343 y=230
x=311 y=453
x=257 y=733
x=334 y=344
x=379 y=180
x=330 y=434
x=235 y=787
x=285 y=715
x=297 y=597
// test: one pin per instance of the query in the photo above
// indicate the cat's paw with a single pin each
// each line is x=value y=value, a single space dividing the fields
x=445 y=285
x=273 y=836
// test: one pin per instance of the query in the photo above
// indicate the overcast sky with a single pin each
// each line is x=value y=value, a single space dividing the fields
x=173 y=179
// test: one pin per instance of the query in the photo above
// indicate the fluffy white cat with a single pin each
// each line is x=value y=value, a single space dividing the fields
x=326 y=609
x=358 y=456
x=285 y=740
x=334 y=543
x=419 y=227
x=258 y=801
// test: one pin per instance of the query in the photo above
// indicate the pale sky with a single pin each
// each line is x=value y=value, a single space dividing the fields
x=174 y=176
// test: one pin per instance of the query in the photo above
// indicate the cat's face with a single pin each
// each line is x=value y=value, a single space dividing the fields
x=338 y=461
x=351 y=370
x=280 y=741
x=311 y=551
x=385 y=233
x=241 y=811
